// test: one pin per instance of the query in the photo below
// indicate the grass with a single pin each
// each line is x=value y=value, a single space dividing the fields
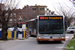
x=71 y=45
x=73 y=25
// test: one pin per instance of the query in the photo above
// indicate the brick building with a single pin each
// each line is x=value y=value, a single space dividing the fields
x=29 y=12
x=49 y=12
x=1 y=6
x=26 y=13
x=12 y=19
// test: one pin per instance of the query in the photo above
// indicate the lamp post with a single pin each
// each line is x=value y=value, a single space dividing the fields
x=20 y=20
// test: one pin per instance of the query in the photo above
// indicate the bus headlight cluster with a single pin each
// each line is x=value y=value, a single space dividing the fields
x=62 y=37
x=39 y=37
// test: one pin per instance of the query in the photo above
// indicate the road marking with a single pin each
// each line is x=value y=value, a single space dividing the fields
x=31 y=38
x=67 y=37
x=59 y=47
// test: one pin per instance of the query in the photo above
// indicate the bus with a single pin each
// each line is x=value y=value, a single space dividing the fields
x=47 y=27
x=50 y=28
x=31 y=27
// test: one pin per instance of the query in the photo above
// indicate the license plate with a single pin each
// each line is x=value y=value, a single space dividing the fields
x=50 y=39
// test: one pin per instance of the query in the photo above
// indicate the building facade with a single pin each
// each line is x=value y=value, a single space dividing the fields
x=1 y=6
x=24 y=14
x=49 y=12
x=29 y=12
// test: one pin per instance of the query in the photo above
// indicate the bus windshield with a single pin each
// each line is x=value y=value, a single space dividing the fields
x=54 y=26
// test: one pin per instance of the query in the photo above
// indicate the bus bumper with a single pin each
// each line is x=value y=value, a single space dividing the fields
x=42 y=39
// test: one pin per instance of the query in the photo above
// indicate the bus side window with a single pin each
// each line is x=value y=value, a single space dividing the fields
x=30 y=25
x=27 y=25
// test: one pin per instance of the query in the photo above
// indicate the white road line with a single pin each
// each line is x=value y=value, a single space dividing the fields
x=67 y=37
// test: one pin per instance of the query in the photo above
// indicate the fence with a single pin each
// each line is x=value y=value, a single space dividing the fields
x=25 y=34
x=14 y=34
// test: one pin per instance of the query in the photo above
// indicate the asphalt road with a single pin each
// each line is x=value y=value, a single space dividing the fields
x=31 y=44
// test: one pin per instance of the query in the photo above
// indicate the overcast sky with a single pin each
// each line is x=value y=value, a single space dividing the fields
x=49 y=3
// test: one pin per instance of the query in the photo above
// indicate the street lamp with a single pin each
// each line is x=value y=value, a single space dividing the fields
x=20 y=20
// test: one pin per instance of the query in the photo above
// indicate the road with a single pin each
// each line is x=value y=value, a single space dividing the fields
x=31 y=44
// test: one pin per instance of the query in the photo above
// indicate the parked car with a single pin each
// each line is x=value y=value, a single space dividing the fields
x=71 y=29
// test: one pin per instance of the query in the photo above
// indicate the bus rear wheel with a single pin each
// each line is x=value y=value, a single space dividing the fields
x=30 y=33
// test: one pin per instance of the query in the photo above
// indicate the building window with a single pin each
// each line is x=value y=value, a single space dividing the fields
x=33 y=8
x=14 y=14
x=24 y=18
x=11 y=15
x=6 y=14
x=19 y=12
x=20 y=18
x=23 y=12
x=42 y=9
x=10 y=20
x=15 y=20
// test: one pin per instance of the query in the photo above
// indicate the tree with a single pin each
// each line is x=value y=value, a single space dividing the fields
x=9 y=6
x=66 y=11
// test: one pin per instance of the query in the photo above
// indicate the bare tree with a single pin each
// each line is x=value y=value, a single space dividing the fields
x=5 y=12
x=68 y=12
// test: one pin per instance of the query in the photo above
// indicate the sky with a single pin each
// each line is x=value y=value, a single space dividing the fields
x=51 y=4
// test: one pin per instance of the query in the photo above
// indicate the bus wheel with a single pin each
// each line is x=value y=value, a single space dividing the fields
x=38 y=42
x=59 y=41
x=30 y=33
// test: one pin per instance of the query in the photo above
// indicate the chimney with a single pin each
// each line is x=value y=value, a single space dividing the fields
x=35 y=4
x=27 y=5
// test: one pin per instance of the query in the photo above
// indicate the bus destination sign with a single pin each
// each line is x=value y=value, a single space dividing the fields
x=42 y=17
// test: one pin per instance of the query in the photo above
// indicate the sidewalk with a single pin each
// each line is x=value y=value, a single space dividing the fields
x=19 y=38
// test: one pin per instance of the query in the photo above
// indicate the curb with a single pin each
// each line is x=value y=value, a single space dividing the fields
x=2 y=41
x=67 y=42
x=21 y=38
x=15 y=39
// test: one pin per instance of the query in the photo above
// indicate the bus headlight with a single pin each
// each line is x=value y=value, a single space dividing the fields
x=39 y=37
x=63 y=37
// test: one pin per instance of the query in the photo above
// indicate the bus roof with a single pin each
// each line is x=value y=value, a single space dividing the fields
x=31 y=20
x=49 y=15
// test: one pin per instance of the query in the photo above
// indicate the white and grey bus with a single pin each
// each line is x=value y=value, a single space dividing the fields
x=47 y=27
x=50 y=28
x=31 y=27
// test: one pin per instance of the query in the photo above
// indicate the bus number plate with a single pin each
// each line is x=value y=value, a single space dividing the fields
x=50 y=39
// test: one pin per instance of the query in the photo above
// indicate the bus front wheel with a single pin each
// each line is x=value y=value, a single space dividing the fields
x=38 y=42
